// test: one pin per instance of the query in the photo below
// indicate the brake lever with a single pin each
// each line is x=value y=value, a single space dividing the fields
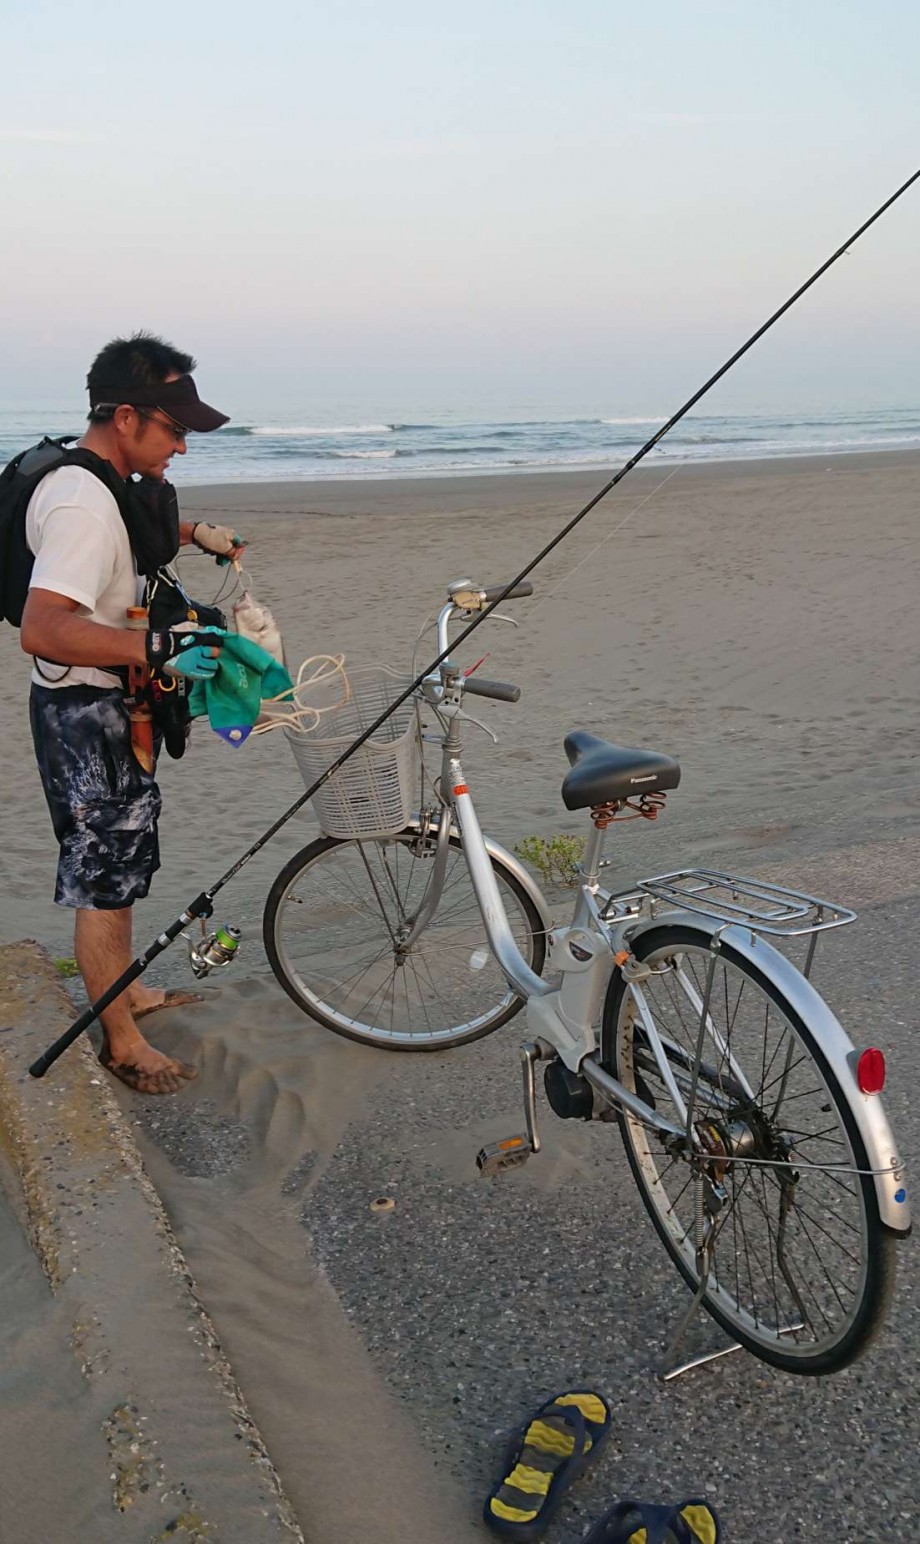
x=463 y=615
x=454 y=710
x=462 y=713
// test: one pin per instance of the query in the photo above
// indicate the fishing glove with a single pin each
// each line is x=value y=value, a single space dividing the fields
x=184 y=651
x=217 y=540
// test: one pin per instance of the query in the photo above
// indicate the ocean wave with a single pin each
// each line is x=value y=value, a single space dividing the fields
x=685 y=437
x=313 y=431
x=453 y=450
x=282 y=446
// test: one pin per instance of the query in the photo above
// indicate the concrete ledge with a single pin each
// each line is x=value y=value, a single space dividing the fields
x=185 y=1458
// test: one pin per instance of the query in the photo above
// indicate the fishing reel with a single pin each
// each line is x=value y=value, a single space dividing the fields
x=212 y=950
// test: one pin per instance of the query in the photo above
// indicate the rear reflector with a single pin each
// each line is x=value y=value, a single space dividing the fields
x=870 y=1071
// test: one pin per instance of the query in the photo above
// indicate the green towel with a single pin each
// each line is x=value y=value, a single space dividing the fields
x=233 y=696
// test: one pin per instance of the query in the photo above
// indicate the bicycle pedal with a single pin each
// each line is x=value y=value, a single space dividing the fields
x=509 y=1153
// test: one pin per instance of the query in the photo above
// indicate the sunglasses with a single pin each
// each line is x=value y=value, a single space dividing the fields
x=179 y=431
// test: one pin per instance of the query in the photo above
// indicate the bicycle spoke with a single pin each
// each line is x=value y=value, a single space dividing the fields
x=771 y=1258
x=813 y=1136
x=789 y=1261
x=802 y=1211
x=378 y=992
x=764 y=1209
x=837 y=1179
x=339 y=930
x=672 y=1205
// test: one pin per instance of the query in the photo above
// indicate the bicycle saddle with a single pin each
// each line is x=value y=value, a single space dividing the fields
x=602 y=772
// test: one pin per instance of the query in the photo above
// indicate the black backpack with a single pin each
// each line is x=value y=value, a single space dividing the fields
x=167 y=602
x=18 y=482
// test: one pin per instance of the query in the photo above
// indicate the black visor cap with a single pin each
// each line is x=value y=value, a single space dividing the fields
x=178 y=398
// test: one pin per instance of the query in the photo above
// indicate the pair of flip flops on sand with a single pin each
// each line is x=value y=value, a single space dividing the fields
x=550 y=1451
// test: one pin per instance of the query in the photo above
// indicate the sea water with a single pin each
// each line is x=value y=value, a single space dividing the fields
x=303 y=442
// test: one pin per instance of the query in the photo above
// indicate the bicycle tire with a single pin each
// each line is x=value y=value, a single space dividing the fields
x=342 y=932
x=824 y=1313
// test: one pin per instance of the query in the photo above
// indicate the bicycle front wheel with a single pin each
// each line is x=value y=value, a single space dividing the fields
x=802 y=1268
x=334 y=926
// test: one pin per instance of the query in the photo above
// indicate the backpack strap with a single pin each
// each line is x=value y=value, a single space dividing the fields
x=18 y=483
x=149 y=512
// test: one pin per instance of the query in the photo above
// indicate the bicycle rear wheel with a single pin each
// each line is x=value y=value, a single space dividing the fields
x=803 y=1267
x=333 y=924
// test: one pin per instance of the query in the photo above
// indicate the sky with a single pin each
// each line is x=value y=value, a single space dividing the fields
x=408 y=202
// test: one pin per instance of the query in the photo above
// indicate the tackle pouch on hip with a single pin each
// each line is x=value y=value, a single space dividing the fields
x=169 y=605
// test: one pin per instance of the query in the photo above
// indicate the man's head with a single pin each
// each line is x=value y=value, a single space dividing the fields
x=143 y=402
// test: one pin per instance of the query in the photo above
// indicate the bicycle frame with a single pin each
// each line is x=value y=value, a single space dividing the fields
x=561 y=1017
x=598 y=940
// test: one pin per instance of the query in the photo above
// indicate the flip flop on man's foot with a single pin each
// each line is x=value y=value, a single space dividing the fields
x=173 y=999
x=640 y=1522
x=166 y=1080
x=543 y=1458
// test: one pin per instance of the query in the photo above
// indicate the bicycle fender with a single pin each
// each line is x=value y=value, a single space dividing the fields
x=521 y=874
x=867 y=1109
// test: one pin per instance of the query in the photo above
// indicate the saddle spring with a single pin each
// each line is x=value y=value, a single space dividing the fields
x=646 y=805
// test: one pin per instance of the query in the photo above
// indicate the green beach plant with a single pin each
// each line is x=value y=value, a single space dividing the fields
x=556 y=858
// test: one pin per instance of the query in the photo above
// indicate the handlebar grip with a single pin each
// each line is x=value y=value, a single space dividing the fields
x=502 y=691
x=493 y=591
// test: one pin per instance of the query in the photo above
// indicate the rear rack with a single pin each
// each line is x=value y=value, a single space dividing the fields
x=751 y=903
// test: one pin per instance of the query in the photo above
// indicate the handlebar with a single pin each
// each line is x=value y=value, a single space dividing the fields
x=502 y=691
x=465 y=596
x=493 y=591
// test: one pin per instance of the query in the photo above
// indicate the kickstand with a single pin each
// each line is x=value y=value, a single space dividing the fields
x=667 y=1372
x=714 y=1200
x=712 y=1204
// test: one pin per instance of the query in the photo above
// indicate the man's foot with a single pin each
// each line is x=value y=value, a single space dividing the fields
x=144 y=1069
x=145 y=1001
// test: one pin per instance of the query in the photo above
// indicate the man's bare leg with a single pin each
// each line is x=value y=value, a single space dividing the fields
x=102 y=944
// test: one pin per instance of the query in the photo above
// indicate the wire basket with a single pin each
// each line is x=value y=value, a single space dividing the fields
x=372 y=794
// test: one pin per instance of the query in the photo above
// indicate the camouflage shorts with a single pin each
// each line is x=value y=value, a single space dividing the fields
x=104 y=807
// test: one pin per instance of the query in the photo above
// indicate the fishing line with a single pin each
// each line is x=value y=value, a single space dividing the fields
x=230 y=581
x=202 y=905
x=532 y=611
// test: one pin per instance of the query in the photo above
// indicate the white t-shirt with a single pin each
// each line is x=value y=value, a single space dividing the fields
x=81 y=547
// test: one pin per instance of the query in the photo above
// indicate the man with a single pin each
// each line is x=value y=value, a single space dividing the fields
x=104 y=805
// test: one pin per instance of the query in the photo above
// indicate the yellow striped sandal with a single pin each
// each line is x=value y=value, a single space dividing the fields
x=639 y=1522
x=544 y=1456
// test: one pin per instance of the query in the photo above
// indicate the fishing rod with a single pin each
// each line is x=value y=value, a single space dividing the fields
x=203 y=905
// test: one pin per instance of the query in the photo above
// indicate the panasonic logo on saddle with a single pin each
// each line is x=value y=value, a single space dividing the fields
x=650 y=779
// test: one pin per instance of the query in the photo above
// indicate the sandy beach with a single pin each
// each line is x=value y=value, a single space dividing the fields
x=757 y=621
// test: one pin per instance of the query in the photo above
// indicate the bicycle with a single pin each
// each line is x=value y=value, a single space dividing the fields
x=753 y=1129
